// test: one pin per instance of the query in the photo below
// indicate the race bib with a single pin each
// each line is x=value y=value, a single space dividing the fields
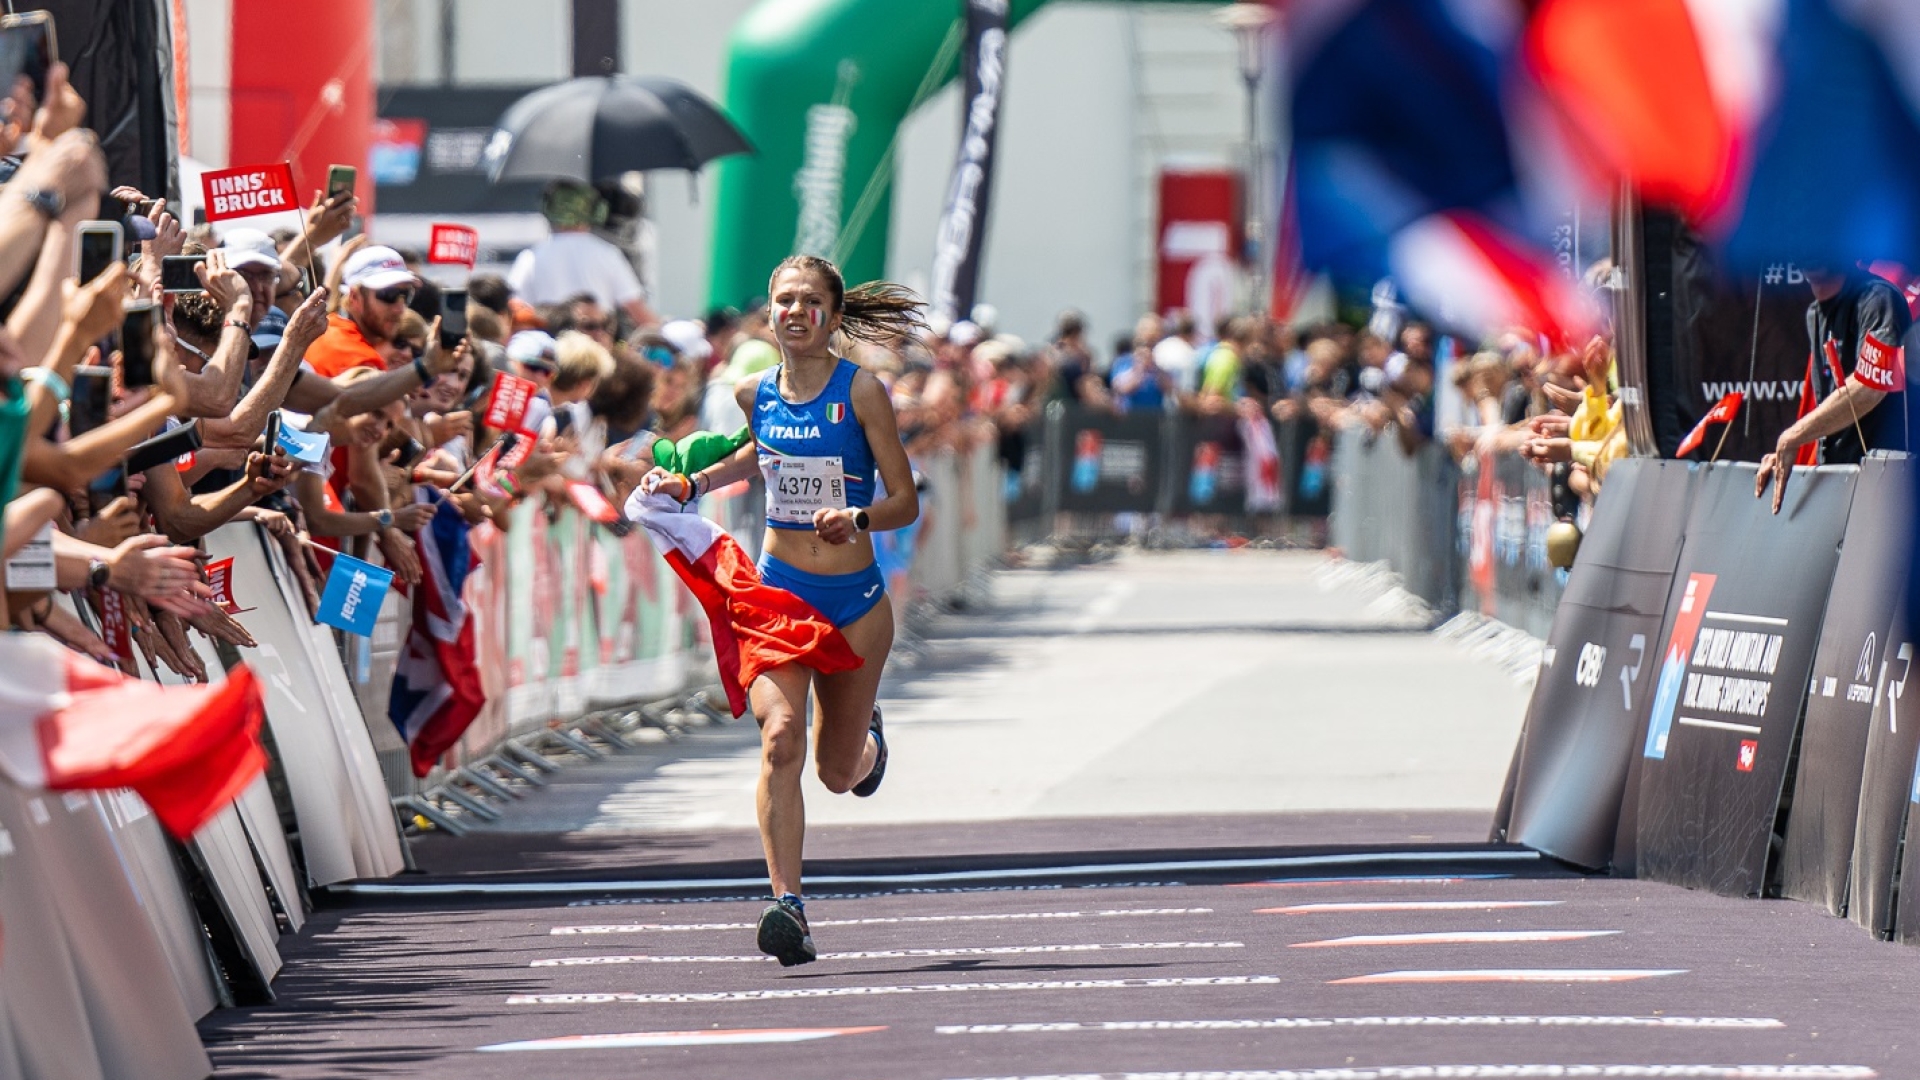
x=798 y=486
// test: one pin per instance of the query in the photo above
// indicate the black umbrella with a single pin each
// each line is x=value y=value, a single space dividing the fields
x=601 y=126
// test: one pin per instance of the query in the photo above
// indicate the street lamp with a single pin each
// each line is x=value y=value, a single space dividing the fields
x=1249 y=23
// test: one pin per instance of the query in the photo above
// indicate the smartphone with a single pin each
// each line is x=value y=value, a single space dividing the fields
x=410 y=453
x=27 y=50
x=164 y=447
x=136 y=344
x=177 y=276
x=453 y=316
x=96 y=246
x=341 y=178
x=273 y=431
x=92 y=394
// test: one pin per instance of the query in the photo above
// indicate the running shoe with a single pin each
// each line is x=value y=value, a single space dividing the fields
x=872 y=783
x=784 y=934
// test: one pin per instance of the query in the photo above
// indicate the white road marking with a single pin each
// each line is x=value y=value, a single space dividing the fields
x=1018 y=873
x=1457 y=937
x=894 y=954
x=888 y=920
x=716 y=997
x=1500 y=1071
x=1519 y=975
x=1406 y=905
x=1317 y=883
x=635 y=1039
x=1735 y=1023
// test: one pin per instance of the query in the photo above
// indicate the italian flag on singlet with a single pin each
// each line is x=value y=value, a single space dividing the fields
x=756 y=627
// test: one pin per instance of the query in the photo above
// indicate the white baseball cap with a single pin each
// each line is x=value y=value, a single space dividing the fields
x=250 y=247
x=688 y=338
x=532 y=346
x=377 y=268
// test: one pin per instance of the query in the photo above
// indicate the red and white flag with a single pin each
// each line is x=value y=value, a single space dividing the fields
x=1723 y=412
x=756 y=627
x=67 y=723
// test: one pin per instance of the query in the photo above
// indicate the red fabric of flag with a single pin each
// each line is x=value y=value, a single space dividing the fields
x=756 y=627
x=1632 y=81
x=67 y=723
x=1723 y=412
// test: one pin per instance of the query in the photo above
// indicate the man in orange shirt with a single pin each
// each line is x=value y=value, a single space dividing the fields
x=379 y=287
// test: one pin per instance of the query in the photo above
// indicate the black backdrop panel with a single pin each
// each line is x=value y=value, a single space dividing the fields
x=115 y=51
x=1736 y=649
x=1886 y=784
x=1847 y=668
x=1209 y=463
x=1597 y=672
x=1112 y=464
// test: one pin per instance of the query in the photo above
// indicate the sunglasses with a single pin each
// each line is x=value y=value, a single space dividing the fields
x=399 y=294
x=414 y=348
x=593 y=327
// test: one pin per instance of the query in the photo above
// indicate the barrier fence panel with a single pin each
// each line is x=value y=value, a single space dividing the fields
x=1401 y=509
x=141 y=1025
x=1858 y=639
x=232 y=904
x=1887 y=786
x=52 y=1033
x=346 y=824
x=1585 y=719
x=1736 y=651
x=1112 y=464
x=1506 y=508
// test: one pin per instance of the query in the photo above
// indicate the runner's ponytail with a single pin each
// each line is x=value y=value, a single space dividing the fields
x=879 y=312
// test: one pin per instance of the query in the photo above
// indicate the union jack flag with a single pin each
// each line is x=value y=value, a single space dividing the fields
x=436 y=686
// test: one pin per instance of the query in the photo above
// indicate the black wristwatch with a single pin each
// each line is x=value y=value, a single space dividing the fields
x=98 y=571
x=861 y=520
x=50 y=203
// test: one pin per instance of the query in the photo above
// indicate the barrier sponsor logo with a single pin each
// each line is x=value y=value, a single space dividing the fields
x=453 y=245
x=1593 y=660
x=1749 y=750
x=1673 y=670
x=248 y=190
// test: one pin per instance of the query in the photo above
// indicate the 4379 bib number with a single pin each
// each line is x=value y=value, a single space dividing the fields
x=799 y=486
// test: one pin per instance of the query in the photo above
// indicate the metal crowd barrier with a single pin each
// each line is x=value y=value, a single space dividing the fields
x=1466 y=536
x=119 y=938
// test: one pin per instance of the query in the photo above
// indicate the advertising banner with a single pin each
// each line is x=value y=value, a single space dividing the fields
x=963 y=225
x=1849 y=674
x=1733 y=658
x=1590 y=700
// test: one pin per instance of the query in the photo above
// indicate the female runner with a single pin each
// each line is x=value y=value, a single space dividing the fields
x=822 y=428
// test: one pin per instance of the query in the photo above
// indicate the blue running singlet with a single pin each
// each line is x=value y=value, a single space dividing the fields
x=813 y=455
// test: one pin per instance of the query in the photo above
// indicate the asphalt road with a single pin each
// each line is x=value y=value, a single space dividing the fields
x=1119 y=839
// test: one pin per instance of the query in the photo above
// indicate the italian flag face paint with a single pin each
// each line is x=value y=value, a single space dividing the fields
x=816 y=316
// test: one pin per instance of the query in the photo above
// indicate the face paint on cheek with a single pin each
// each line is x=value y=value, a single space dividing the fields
x=819 y=316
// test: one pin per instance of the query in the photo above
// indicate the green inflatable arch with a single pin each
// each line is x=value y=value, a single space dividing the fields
x=821 y=87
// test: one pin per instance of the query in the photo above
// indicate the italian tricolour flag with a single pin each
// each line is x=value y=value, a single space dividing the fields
x=756 y=627
x=68 y=723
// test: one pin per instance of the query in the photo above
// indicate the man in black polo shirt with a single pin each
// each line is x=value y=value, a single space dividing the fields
x=1856 y=322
